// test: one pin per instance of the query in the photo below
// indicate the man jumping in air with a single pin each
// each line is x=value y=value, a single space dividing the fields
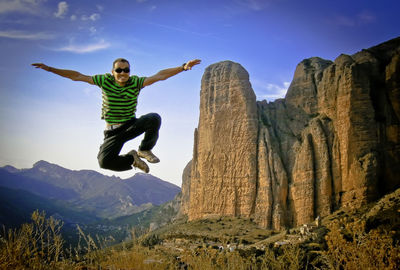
x=120 y=93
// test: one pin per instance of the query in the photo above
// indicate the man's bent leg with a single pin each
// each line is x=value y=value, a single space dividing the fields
x=109 y=157
x=148 y=124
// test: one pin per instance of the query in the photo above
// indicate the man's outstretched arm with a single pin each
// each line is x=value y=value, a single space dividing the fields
x=169 y=72
x=70 y=74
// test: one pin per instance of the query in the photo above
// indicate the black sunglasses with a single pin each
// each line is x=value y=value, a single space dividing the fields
x=119 y=70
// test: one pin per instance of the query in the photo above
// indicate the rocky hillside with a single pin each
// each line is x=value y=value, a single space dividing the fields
x=334 y=141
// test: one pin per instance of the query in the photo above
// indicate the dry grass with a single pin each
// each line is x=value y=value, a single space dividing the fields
x=288 y=257
x=347 y=241
x=38 y=245
x=136 y=257
x=350 y=246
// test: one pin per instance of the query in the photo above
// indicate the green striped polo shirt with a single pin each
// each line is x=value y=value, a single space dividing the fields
x=119 y=102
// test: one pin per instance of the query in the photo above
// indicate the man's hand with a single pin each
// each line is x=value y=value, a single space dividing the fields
x=191 y=63
x=42 y=66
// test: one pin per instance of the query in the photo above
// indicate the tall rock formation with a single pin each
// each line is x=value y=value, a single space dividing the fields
x=224 y=168
x=333 y=141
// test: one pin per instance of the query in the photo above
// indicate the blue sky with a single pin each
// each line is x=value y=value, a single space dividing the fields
x=46 y=117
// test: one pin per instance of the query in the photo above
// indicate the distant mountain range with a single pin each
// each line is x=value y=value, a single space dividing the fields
x=77 y=196
x=17 y=206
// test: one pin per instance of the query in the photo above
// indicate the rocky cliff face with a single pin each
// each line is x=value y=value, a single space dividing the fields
x=333 y=141
x=224 y=168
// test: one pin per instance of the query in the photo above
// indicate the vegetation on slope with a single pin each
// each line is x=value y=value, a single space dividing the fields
x=366 y=238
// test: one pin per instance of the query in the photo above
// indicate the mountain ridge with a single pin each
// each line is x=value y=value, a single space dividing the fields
x=107 y=196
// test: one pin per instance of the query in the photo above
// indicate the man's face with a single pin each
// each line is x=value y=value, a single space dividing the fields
x=120 y=74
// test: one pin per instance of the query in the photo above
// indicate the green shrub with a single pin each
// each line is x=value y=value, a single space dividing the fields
x=150 y=240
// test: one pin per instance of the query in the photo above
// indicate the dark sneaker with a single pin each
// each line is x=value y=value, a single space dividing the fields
x=138 y=163
x=149 y=156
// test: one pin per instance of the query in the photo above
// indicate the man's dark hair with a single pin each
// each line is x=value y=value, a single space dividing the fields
x=123 y=60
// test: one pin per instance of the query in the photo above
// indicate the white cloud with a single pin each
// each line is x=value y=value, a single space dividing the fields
x=270 y=91
x=62 y=10
x=33 y=2
x=88 y=48
x=366 y=17
x=73 y=17
x=100 y=8
x=93 y=17
x=21 y=6
x=92 y=30
x=255 y=5
x=362 y=18
x=14 y=34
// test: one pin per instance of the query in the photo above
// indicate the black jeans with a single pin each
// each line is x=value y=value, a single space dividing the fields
x=109 y=157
